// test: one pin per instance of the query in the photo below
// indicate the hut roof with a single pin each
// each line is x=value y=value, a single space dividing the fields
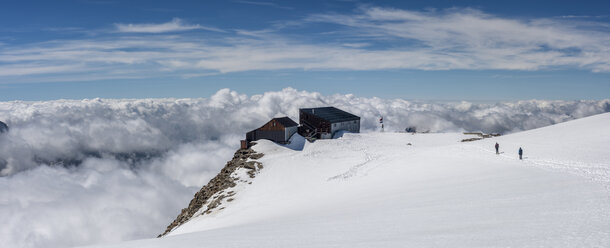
x=331 y=114
x=286 y=122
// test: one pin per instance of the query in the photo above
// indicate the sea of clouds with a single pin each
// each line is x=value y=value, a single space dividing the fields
x=76 y=172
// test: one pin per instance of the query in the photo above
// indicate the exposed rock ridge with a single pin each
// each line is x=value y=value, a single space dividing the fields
x=481 y=136
x=213 y=193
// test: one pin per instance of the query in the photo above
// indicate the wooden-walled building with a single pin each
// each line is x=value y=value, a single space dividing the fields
x=323 y=123
x=277 y=129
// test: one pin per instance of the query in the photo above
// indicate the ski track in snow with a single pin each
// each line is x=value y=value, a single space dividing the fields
x=358 y=168
x=597 y=172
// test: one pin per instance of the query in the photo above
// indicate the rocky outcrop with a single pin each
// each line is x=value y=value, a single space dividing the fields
x=471 y=139
x=480 y=136
x=3 y=127
x=212 y=195
x=484 y=135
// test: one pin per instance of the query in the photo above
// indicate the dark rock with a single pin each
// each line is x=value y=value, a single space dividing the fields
x=3 y=164
x=256 y=156
x=471 y=139
x=250 y=165
x=481 y=136
x=474 y=133
x=3 y=127
x=215 y=203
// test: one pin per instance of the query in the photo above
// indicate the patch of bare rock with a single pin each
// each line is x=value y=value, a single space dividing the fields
x=480 y=136
x=211 y=195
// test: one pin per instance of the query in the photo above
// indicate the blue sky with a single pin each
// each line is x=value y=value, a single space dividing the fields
x=433 y=50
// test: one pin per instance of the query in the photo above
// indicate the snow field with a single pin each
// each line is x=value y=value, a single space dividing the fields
x=372 y=190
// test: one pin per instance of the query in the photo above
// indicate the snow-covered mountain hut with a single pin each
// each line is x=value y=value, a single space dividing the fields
x=323 y=123
x=277 y=129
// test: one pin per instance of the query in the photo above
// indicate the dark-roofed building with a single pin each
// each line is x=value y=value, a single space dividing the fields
x=277 y=129
x=323 y=123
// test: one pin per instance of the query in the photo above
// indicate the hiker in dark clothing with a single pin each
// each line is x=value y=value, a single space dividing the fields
x=497 y=147
x=520 y=153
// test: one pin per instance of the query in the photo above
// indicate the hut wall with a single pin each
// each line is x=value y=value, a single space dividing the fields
x=313 y=121
x=351 y=126
x=289 y=132
x=272 y=130
x=272 y=125
x=277 y=136
x=251 y=136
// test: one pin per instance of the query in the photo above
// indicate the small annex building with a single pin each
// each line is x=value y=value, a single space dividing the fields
x=323 y=123
x=277 y=130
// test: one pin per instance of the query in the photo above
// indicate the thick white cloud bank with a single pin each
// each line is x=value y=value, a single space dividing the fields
x=90 y=171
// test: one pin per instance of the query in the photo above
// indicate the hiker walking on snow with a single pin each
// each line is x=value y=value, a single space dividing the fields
x=520 y=153
x=497 y=148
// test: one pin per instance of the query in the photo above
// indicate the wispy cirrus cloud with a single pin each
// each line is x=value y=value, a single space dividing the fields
x=471 y=39
x=175 y=25
x=33 y=69
x=370 y=38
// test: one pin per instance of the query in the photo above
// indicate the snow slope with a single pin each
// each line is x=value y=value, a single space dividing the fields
x=374 y=190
